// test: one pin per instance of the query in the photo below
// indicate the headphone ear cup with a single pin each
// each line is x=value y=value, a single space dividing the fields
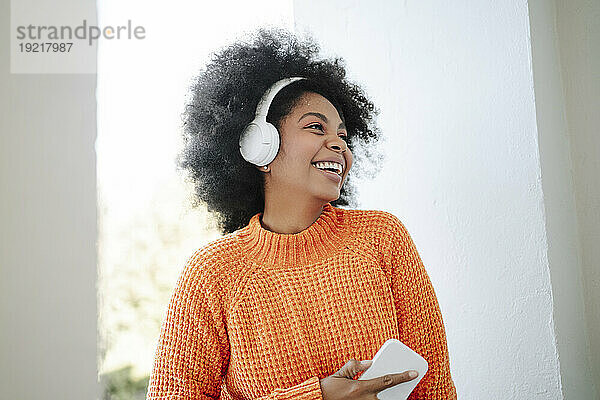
x=259 y=142
x=274 y=139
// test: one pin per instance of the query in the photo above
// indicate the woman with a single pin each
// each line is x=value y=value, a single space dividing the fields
x=298 y=289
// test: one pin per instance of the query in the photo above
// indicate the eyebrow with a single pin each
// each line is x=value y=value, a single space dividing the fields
x=323 y=117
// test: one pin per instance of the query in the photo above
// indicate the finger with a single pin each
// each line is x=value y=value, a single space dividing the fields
x=365 y=365
x=351 y=368
x=376 y=385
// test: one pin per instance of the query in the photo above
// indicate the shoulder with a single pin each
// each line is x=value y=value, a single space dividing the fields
x=384 y=236
x=374 y=231
x=375 y=224
x=212 y=267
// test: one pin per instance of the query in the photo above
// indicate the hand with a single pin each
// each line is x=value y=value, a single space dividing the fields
x=342 y=385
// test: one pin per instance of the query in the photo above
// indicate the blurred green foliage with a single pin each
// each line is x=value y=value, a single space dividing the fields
x=141 y=253
x=121 y=385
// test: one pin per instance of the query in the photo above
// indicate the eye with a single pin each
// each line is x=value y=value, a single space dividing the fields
x=316 y=125
x=319 y=126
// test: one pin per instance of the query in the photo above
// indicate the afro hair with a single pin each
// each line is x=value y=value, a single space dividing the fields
x=223 y=99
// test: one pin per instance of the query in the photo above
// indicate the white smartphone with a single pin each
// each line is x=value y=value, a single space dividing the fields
x=394 y=357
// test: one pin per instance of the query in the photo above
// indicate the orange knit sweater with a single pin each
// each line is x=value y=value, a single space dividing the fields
x=261 y=315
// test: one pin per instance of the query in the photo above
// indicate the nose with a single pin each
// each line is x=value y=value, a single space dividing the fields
x=337 y=144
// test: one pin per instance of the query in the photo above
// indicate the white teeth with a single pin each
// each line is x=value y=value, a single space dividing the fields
x=328 y=164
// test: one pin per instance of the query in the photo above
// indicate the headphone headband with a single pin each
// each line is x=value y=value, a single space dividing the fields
x=262 y=109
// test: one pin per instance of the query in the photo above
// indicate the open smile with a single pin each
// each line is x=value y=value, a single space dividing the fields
x=329 y=174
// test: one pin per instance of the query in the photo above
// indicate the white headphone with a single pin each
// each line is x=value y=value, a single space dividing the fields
x=259 y=141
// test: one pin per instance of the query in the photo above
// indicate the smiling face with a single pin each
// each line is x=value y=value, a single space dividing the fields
x=312 y=132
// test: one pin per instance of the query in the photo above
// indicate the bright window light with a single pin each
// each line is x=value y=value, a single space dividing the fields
x=146 y=227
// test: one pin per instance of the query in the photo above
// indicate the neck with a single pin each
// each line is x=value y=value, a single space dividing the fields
x=290 y=215
x=322 y=238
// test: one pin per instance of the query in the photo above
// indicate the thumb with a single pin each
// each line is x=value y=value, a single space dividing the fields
x=352 y=368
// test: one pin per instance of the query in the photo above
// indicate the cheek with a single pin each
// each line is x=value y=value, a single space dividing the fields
x=300 y=152
x=294 y=159
x=349 y=162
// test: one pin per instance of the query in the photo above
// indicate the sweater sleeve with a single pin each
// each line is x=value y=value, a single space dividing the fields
x=420 y=321
x=192 y=352
x=193 y=349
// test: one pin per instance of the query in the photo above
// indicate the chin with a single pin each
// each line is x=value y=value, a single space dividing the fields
x=330 y=197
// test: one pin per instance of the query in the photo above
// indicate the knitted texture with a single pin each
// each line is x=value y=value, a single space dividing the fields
x=261 y=315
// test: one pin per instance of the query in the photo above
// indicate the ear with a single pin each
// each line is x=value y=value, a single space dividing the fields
x=265 y=168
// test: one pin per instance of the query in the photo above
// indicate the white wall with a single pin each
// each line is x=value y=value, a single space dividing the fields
x=578 y=27
x=455 y=86
x=557 y=150
x=47 y=232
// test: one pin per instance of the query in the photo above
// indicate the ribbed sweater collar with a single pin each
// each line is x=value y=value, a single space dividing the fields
x=320 y=240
